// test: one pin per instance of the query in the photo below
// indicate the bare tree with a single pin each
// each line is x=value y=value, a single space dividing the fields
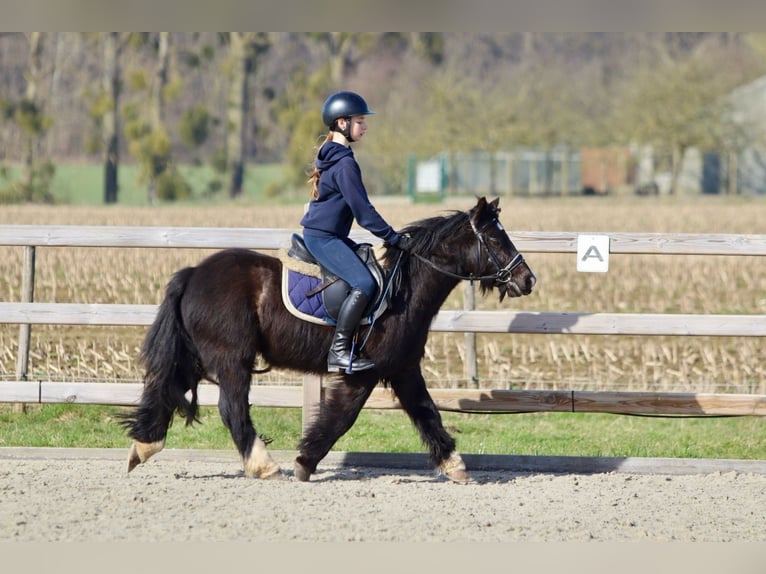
x=244 y=49
x=33 y=123
x=156 y=112
x=111 y=85
x=342 y=53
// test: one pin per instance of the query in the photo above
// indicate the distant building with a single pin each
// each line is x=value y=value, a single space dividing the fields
x=743 y=172
x=596 y=171
x=605 y=170
x=749 y=112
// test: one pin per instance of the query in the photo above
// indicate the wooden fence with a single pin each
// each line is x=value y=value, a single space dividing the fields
x=27 y=312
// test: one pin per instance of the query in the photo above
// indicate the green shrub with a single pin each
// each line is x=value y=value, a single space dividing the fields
x=36 y=190
x=195 y=126
x=172 y=186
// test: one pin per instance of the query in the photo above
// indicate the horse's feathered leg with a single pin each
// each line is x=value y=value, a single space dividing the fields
x=410 y=389
x=171 y=371
x=234 y=407
x=344 y=400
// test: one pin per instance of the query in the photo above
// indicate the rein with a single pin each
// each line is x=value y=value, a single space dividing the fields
x=502 y=275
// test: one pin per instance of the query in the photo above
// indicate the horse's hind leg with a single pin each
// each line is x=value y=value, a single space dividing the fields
x=410 y=389
x=339 y=411
x=234 y=407
x=148 y=427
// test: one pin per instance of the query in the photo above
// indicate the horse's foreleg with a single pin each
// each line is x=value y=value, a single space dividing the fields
x=410 y=389
x=234 y=408
x=339 y=411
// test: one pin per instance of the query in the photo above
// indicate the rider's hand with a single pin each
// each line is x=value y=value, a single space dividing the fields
x=405 y=243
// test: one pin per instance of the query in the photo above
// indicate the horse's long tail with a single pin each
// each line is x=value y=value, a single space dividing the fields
x=172 y=368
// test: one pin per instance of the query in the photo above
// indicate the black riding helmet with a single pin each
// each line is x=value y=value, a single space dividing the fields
x=344 y=105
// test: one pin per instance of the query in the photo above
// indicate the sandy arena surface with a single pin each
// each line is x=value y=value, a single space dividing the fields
x=183 y=497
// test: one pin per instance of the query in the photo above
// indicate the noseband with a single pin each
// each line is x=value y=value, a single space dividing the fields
x=502 y=275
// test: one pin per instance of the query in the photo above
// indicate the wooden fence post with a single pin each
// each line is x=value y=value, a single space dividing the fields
x=470 y=367
x=25 y=329
x=312 y=398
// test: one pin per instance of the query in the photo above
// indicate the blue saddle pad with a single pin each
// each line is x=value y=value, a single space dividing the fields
x=298 y=285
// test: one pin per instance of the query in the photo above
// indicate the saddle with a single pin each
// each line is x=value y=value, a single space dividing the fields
x=313 y=293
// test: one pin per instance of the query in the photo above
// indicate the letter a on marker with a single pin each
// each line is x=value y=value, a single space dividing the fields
x=593 y=253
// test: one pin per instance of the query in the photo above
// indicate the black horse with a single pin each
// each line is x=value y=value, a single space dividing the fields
x=217 y=318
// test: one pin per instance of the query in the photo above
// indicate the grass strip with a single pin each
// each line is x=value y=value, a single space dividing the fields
x=549 y=434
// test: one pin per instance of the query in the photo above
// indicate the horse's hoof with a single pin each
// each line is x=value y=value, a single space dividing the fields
x=460 y=477
x=142 y=451
x=133 y=459
x=259 y=464
x=267 y=472
x=301 y=472
x=454 y=469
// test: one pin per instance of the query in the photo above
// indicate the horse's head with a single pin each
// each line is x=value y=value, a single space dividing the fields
x=470 y=246
x=498 y=263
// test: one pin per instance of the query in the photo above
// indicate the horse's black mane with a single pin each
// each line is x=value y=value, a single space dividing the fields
x=428 y=234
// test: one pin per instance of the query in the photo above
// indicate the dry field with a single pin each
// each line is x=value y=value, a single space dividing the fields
x=634 y=284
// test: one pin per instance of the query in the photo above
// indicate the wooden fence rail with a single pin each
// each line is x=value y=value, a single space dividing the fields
x=276 y=238
x=27 y=313
x=445 y=321
x=457 y=400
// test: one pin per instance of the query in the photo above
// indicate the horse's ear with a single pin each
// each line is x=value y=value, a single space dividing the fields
x=477 y=211
x=483 y=211
x=495 y=206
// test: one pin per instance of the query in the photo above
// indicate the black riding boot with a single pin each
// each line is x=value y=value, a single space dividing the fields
x=339 y=358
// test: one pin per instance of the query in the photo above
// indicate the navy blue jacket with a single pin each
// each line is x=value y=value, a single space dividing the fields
x=342 y=198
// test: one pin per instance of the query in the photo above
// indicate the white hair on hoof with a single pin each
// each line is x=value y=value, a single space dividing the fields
x=454 y=469
x=140 y=452
x=260 y=464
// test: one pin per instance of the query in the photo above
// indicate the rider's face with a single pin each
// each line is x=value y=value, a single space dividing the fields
x=358 y=127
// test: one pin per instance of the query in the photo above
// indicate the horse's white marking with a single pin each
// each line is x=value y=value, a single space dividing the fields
x=146 y=450
x=260 y=464
x=140 y=452
x=454 y=468
x=453 y=463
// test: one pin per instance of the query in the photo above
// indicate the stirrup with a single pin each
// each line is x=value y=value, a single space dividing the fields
x=353 y=365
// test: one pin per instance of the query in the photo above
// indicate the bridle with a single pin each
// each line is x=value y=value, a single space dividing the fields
x=502 y=275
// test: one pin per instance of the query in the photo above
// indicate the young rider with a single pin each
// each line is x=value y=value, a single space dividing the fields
x=338 y=198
